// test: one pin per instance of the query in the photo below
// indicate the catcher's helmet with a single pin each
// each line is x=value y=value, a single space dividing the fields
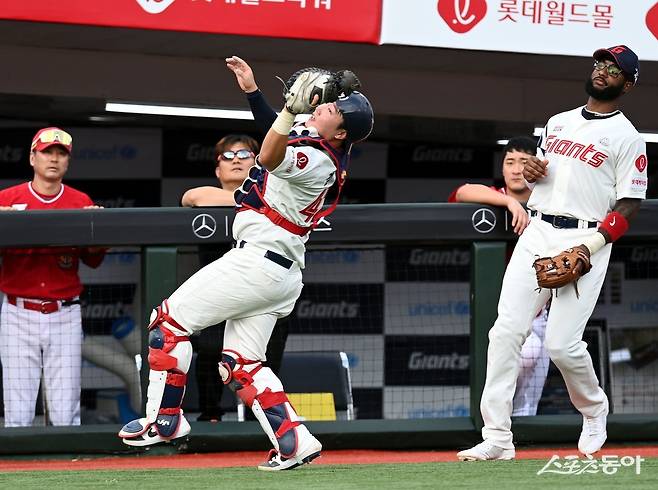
x=357 y=116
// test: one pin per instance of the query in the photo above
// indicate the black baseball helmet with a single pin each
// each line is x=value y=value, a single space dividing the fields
x=358 y=118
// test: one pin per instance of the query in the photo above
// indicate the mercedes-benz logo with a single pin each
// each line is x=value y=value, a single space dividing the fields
x=204 y=226
x=484 y=220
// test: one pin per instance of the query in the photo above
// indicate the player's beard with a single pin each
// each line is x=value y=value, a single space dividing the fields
x=611 y=92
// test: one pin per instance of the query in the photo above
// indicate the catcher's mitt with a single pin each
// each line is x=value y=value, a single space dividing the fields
x=304 y=85
x=558 y=271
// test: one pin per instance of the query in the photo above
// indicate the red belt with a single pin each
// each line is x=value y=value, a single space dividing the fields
x=43 y=306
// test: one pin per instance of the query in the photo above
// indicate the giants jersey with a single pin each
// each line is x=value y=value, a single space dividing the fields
x=296 y=189
x=43 y=273
x=594 y=160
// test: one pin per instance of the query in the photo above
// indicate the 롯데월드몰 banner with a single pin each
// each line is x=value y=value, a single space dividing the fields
x=560 y=27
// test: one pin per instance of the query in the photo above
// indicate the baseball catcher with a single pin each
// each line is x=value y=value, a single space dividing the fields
x=309 y=87
x=260 y=279
x=564 y=268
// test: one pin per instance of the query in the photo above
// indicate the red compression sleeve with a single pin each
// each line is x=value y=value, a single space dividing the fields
x=615 y=224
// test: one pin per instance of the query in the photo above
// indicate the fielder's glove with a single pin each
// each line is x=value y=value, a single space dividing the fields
x=563 y=269
x=310 y=87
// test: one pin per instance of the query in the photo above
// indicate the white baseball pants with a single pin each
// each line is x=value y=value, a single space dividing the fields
x=244 y=288
x=31 y=341
x=534 y=369
x=518 y=304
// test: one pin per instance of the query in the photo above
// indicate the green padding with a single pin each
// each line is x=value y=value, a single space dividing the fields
x=566 y=428
x=245 y=436
x=159 y=281
x=487 y=270
x=159 y=276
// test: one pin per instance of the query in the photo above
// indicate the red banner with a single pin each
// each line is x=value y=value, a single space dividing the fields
x=332 y=20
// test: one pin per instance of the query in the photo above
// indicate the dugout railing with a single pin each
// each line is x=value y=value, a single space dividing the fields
x=160 y=233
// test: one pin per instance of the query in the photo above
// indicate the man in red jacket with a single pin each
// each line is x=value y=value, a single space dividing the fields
x=40 y=322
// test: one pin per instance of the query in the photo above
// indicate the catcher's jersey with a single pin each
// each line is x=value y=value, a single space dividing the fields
x=296 y=189
x=594 y=160
x=45 y=273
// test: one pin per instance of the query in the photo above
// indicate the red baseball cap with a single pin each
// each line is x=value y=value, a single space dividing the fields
x=48 y=137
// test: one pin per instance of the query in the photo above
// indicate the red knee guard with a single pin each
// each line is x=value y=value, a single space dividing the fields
x=233 y=374
x=162 y=340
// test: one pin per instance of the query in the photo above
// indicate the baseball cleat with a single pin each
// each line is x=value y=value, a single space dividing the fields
x=140 y=432
x=594 y=433
x=308 y=450
x=486 y=451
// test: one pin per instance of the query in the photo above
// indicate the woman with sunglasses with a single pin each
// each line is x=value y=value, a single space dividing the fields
x=234 y=156
x=260 y=280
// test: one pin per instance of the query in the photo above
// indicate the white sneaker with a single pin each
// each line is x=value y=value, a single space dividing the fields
x=594 y=433
x=308 y=449
x=140 y=432
x=485 y=451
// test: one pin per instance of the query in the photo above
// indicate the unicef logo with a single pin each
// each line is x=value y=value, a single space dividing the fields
x=204 y=226
x=128 y=152
x=484 y=220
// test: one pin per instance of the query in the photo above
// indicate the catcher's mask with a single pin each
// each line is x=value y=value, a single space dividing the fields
x=358 y=118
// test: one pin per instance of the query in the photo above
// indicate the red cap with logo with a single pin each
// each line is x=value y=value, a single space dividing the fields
x=47 y=137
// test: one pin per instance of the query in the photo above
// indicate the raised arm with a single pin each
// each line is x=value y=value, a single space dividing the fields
x=263 y=113
x=276 y=129
x=273 y=149
x=301 y=98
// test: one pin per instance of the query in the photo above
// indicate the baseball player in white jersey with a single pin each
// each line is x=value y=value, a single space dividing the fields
x=256 y=282
x=589 y=177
